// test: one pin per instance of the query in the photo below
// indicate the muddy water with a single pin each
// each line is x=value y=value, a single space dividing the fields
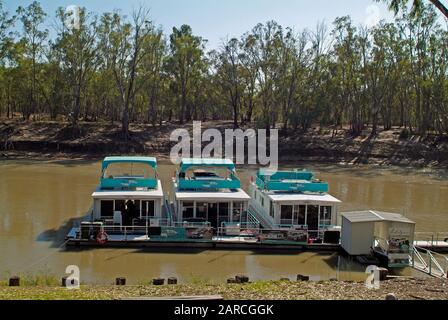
x=39 y=201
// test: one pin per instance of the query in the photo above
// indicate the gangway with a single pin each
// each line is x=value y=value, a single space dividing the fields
x=429 y=262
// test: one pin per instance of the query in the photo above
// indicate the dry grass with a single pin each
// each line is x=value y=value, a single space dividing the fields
x=285 y=290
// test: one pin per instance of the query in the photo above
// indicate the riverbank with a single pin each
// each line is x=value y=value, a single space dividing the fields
x=402 y=288
x=56 y=141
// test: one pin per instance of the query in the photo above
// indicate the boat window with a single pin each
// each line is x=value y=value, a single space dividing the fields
x=148 y=209
x=271 y=209
x=299 y=214
x=129 y=169
x=119 y=205
x=325 y=215
x=188 y=210
x=312 y=217
x=262 y=201
x=201 y=210
x=286 y=214
x=223 y=212
x=107 y=208
x=237 y=211
x=137 y=207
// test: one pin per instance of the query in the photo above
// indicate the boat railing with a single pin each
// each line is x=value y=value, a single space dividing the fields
x=260 y=213
x=290 y=181
x=232 y=182
x=168 y=211
x=431 y=238
x=191 y=224
x=267 y=235
x=430 y=262
x=251 y=218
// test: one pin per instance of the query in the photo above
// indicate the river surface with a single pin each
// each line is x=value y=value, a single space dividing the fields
x=40 y=200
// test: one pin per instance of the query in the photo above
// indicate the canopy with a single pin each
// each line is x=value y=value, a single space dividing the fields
x=206 y=162
x=151 y=161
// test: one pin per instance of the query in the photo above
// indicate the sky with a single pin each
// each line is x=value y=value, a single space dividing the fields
x=216 y=20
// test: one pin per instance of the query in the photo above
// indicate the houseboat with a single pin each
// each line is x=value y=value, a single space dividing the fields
x=294 y=200
x=128 y=201
x=208 y=192
x=209 y=210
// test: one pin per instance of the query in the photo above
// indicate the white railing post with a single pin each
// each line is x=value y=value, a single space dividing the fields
x=430 y=262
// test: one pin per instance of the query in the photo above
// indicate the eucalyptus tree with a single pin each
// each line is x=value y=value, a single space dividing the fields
x=228 y=71
x=417 y=6
x=184 y=63
x=33 y=37
x=346 y=52
x=249 y=75
x=123 y=45
x=267 y=41
x=77 y=49
x=53 y=84
x=286 y=82
x=152 y=75
x=313 y=101
x=6 y=34
x=6 y=50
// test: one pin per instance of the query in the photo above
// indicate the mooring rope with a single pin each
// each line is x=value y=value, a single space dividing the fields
x=43 y=258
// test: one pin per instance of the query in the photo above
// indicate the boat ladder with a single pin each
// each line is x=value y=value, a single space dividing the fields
x=254 y=216
x=429 y=262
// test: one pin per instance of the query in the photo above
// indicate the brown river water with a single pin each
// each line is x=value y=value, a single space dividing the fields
x=40 y=200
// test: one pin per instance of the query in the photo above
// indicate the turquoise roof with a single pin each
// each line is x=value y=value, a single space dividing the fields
x=151 y=161
x=206 y=162
x=292 y=180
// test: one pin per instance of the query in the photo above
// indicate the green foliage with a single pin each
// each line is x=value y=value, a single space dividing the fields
x=118 y=68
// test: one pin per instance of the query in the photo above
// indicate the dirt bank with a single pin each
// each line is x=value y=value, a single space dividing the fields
x=403 y=289
x=51 y=140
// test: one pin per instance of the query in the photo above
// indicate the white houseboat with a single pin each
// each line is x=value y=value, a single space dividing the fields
x=208 y=191
x=128 y=201
x=294 y=200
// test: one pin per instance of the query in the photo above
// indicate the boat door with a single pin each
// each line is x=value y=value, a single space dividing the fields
x=312 y=220
x=212 y=214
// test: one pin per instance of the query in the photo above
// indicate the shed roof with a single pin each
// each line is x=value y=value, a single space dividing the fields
x=374 y=216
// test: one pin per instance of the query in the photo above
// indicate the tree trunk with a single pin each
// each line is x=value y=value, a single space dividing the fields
x=439 y=5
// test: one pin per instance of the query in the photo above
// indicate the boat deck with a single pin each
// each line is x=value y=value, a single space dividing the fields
x=218 y=242
x=437 y=246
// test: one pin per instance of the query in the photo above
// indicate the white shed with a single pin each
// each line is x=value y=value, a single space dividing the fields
x=362 y=230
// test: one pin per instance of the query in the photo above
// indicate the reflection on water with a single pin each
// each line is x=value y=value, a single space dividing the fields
x=39 y=202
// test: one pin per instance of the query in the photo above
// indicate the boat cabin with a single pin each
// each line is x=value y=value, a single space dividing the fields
x=292 y=199
x=129 y=192
x=208 y=191
x=387 y=235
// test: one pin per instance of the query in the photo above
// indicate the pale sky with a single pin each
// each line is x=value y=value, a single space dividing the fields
x=215 y=20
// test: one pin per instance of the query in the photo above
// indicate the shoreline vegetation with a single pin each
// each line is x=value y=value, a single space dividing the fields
x=401 y=288
x=49 y=140
x=125 y=69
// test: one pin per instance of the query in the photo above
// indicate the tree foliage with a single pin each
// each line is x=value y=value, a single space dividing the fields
x=117 y=68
